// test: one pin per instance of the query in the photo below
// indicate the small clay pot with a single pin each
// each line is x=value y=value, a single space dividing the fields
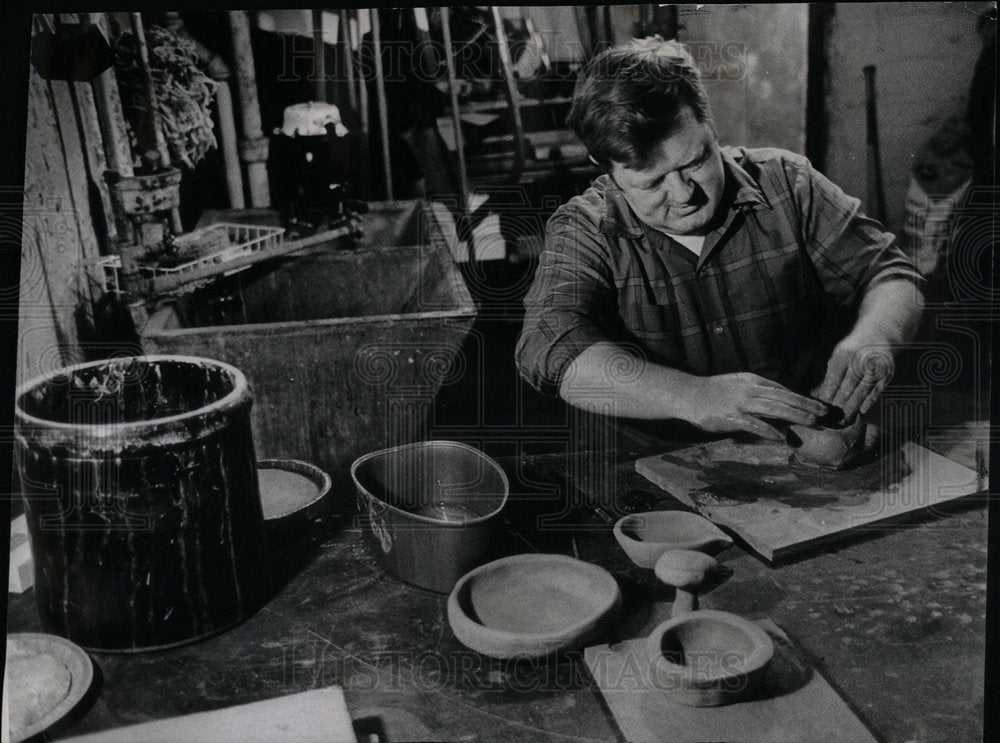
x=831 y=447
x=709 y=658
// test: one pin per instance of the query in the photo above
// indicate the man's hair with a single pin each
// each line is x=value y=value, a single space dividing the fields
x=630 y=97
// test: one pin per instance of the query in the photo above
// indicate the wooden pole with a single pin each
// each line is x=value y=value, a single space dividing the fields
x=456 y=118
x=319 y=56
x=109 y=111
x=254 y=145
x=383 y=108
x=161 y=142
x=147 y=74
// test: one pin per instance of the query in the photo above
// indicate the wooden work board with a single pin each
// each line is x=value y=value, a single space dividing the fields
x=779 y=507
x=795 y=704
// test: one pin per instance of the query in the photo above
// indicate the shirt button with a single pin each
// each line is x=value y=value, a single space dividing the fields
x=718 y=329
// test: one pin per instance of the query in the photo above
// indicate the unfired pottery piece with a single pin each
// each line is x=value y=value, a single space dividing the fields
x=830 y=447
x=291 y=492
x=709 y=658
x=646 y=536
x=532 y=605
x=704 y=658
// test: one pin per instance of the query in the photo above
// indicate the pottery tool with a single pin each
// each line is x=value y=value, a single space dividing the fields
x=779 y=507
x=794 y=702
x=316 y=715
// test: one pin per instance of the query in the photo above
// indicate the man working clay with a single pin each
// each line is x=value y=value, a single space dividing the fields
x=735 y=289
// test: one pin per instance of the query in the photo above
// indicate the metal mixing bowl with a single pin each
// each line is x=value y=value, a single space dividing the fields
x=430 y=509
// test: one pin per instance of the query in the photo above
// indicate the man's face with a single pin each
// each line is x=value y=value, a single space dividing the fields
x=680 y=190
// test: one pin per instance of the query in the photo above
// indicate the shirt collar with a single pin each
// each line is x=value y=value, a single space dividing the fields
x=619 y=218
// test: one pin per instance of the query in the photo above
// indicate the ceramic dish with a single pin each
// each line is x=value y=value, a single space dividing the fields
x=645 y=536
x=532 y=605
x=47 y=676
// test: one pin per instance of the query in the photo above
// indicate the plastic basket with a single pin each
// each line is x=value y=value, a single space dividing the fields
x=238 y=240
x=104 y=272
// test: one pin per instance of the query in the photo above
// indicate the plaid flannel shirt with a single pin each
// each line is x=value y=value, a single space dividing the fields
x=777 y=282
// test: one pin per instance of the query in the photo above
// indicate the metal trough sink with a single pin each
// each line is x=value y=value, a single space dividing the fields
x=344 y=350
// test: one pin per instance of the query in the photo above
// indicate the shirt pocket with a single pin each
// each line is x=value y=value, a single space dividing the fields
x=652 y=312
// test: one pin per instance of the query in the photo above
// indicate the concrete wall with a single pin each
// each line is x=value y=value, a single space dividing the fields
x=753 y=59
x=924 y=55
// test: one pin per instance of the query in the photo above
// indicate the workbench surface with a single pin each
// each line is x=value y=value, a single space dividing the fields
x=894 y=620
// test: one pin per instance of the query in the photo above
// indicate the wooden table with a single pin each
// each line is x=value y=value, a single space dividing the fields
x=893 y=620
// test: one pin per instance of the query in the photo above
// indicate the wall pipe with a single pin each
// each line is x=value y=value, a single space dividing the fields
x=344 y=35
x=513 y=97
x=456 y=118
x=219 y=71
x=254 y=145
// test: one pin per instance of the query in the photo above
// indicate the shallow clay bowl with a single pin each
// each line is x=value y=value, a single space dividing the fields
x=646 y=536
x=292 y=493
x=530 y=606
x=708 y=658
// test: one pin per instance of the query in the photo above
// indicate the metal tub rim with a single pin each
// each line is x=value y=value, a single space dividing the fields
x=489 y=461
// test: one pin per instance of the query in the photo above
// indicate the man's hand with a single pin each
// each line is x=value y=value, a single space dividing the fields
x=856 y=374
x=742 y=401
x=862 y=363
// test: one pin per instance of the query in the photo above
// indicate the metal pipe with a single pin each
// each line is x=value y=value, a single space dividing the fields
x=456 y=119
x=345 y=37
x=362 y=81
x=253 y=147
x=512 y=96
x=219 y=71
x=227 y=137
x=383 y=109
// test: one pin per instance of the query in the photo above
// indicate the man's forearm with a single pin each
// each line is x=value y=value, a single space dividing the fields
x=607 y=373
x=862 y=362
x=609 y=376
x=889 y=313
